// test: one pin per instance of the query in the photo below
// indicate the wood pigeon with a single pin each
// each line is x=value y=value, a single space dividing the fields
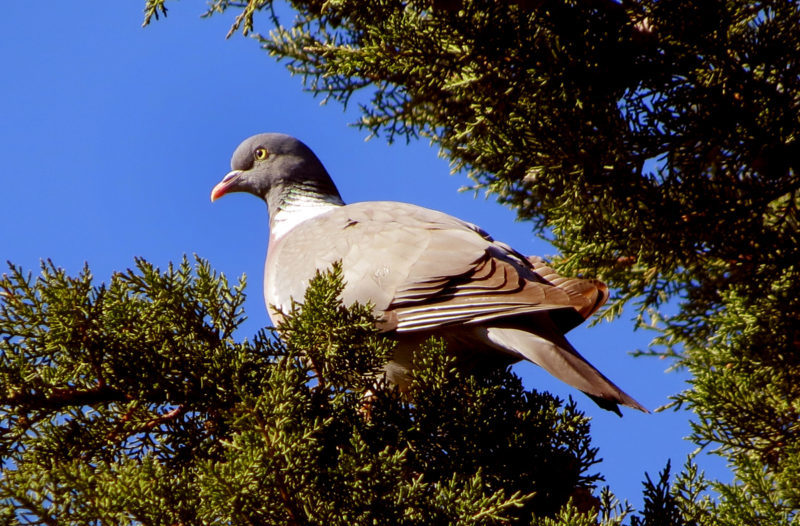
x=425 y=272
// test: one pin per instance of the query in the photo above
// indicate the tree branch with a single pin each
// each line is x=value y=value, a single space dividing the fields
x=58 y=398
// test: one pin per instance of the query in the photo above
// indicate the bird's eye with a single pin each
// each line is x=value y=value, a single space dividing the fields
x=260 y=154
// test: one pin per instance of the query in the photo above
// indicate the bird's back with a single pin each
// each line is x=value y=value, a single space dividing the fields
x=421 y=268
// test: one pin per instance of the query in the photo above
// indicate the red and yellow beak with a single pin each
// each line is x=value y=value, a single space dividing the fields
x=224 y=186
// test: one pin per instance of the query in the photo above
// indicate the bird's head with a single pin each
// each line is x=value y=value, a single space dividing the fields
x=271 y=166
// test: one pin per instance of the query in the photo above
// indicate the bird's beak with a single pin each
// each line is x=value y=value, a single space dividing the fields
x=225 y=185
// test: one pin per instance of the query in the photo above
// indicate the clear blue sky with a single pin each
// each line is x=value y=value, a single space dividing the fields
x=112 y=136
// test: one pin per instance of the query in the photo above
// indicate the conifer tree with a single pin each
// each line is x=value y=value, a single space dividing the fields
x=131 y=403
x=656 y=143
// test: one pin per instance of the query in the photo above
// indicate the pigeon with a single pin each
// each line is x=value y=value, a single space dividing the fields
x=425 y=273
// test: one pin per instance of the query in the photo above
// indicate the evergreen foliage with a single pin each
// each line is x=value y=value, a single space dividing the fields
x=655 y=143
x=131 y=403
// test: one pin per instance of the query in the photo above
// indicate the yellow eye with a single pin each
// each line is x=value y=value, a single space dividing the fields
x=260 y=154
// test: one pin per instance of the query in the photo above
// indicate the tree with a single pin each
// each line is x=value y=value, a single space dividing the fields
x=655 y=143
x=130 y=403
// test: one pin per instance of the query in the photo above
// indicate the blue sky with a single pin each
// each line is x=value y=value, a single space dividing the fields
x=112 y=137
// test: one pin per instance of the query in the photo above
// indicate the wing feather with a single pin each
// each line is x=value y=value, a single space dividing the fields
x=423 y=269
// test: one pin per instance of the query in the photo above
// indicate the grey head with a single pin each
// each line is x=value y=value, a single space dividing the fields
x=277 y=168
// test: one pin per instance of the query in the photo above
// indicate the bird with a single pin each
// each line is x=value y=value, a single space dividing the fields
x=426 y=273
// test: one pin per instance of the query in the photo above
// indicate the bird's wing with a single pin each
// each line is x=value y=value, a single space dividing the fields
x=498 y=284
x=594 y=292
x=422 y=269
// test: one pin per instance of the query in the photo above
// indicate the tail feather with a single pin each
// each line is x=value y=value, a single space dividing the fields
x=550 y=350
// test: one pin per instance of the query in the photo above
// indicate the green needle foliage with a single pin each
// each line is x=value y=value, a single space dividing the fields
x=656 y=143
x=131 y=403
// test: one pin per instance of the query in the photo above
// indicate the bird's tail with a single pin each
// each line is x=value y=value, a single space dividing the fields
x=550 y=350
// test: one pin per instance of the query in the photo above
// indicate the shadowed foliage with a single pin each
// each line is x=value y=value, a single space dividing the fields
x=131 y=403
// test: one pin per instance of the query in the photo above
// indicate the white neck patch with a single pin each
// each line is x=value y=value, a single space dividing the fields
x=299 y=209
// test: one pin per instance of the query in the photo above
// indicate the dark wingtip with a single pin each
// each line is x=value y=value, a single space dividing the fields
x=613 y=405
x=608 y=405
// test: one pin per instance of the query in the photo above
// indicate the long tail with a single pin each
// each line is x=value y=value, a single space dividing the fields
x=550 y=350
